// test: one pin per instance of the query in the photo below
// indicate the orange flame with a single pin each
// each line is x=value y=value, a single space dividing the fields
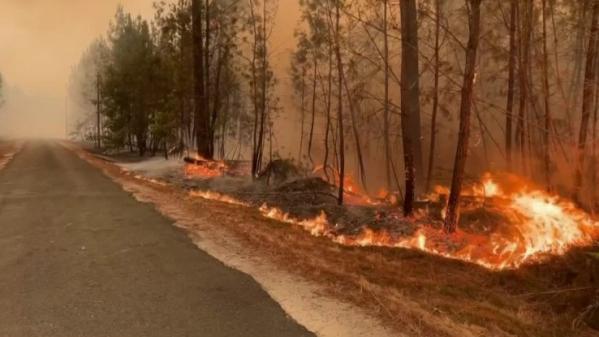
x=536 y=224
x=205 y=168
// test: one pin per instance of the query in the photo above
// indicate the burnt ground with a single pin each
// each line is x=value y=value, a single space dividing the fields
x=427 y=295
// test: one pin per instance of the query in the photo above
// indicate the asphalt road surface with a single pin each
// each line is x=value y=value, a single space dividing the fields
x=80 y=257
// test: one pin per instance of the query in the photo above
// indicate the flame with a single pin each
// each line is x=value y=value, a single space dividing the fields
x=210 y=195
x=534 y=224
x=205 y=168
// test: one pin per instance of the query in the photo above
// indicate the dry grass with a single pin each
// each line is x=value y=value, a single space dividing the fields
x=415 y=293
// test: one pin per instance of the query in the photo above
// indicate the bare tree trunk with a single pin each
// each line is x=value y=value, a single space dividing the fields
x=352 y=108
x=201 y=114
x=453 y=206
x=587 y=100
x=431 y=153
x=524 y=51
x=386 y=103
x=257 y=114
x=216 y=100
x=264 y=80
x=207 y=77
x=546 y=141
x=594 y=150
x=340 y=103
x=313 y=119
x=511 y=80
x=329 y=105
x=303 y=117
x=581 y=13
x=558 y=77
x=410 y=103
x=98 y=112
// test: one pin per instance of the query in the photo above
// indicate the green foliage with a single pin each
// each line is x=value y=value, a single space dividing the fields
x=142 y=73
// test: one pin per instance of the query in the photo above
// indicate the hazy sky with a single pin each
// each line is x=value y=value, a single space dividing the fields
x=41 y=40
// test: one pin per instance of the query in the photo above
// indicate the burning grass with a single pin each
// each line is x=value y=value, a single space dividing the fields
x=507 y=222
x=358 y=253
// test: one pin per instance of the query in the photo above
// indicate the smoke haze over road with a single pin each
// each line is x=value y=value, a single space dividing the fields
x=40 y=40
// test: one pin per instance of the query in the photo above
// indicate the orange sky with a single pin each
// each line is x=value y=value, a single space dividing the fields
x=40 y=40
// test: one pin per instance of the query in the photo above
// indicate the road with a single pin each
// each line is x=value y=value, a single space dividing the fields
x=80 y=257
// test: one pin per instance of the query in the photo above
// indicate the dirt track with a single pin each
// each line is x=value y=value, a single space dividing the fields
x=80 y=257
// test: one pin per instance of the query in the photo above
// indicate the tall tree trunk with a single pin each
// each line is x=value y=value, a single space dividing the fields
x=587 y=100
x=201 y=114
x=217 y=99
x=581 y=13
x=353 y=106
x=453 y=206
x=303 y=114
x=593 y=165
x=264 y=89
x=255 y=97
x=98 y=111
x=313 y=118
x=511 y=81
x=431 y=153
x=207 y=81
x=410 y=103
x=546 y=93
x=386 y=103
x=558 y=77
x=340 y=103
x=329 y=106
x=523 y=71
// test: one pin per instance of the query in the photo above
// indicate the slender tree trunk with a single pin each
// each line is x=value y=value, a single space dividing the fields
x=511 y=81
x=201 y=114
x=547 y=129
x=453 y=206
x=431 y=153
x=207 y=77
x=353 y=106
x=329 y=106
x=524 y=52
x=386 y=107
x=313 y=119
x=558 y=77
x=264 y=91
x=98 y=111
x=255 y=97
x=216 y=101
x=340 y=103
x=582 y=10
x=410 y=103
x=594 y=154
x=303 y=115
x=594 y=144
x=587 y=100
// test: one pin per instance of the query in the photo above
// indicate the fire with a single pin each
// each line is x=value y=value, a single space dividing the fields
x=218 y=197
x=534 y=224
x=198 y=167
